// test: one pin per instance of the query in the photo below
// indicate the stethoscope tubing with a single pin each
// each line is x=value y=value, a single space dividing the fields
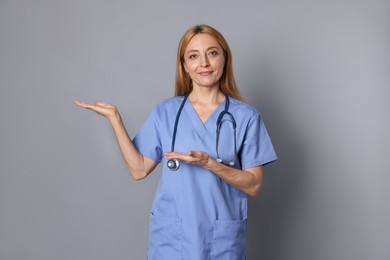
x=174 y=164
x=177 y=122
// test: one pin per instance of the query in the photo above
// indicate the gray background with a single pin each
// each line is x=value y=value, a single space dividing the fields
x=318 y=71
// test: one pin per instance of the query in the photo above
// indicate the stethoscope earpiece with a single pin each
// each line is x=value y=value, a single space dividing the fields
x=173 y=164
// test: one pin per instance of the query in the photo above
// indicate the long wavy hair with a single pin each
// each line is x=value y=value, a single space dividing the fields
x=227 y=84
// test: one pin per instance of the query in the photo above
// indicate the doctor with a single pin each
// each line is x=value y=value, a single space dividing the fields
x=200 y=209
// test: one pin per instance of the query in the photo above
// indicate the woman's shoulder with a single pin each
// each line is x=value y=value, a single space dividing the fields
x=170 y=102
x=167 y=107
x=243 y=108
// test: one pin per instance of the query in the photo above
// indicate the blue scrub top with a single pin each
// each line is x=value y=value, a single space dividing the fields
x=195 y=214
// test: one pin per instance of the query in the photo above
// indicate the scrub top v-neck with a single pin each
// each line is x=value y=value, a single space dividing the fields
x=202 y=127
x=196 y=215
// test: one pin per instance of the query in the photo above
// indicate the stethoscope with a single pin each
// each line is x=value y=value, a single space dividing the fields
x=174 y=164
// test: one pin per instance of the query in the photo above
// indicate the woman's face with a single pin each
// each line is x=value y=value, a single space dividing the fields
x=204 y=61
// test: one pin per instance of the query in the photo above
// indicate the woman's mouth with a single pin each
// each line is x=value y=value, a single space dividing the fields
x=205 y=73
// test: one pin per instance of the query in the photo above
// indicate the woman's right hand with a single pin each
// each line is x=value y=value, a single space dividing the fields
x=107 y=110
x=138 y=165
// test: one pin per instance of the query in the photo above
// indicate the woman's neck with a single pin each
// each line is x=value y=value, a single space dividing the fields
x=206 y=96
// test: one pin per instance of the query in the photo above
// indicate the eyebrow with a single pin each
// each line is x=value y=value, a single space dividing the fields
x=209 y=48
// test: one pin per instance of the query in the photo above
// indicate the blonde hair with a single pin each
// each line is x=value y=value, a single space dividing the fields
x=227 y=84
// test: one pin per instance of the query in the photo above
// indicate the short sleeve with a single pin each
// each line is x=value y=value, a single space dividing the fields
x=257 y=148
x=148 y=139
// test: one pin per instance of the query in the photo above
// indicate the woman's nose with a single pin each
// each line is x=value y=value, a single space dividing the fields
x=204 y=61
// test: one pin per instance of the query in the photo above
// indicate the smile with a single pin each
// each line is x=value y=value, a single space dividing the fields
x=205 y=73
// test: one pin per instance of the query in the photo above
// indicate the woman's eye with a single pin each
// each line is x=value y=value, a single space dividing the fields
x=192 y=56
x=213 y=53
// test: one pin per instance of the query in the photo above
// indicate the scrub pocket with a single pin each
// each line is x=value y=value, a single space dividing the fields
x=164 y=238
x=229 y=240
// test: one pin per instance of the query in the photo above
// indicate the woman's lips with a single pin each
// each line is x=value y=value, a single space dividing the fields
x=205 y=73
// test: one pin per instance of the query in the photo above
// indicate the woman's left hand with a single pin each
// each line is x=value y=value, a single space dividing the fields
x=192 y=157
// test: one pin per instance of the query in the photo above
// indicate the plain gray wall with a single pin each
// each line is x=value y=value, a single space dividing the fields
x=318 y=71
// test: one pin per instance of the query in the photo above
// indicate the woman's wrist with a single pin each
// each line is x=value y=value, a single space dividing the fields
x=213 y=165
x=115 y=119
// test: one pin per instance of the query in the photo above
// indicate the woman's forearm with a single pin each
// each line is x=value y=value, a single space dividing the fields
x=138 y=165
x=248 y=180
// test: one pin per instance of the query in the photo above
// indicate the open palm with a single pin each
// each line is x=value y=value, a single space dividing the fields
x=107 y=110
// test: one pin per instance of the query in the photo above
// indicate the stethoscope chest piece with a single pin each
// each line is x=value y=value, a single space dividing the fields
x=173 y=164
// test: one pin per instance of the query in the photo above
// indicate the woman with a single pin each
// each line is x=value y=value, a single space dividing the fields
x=200 y=206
